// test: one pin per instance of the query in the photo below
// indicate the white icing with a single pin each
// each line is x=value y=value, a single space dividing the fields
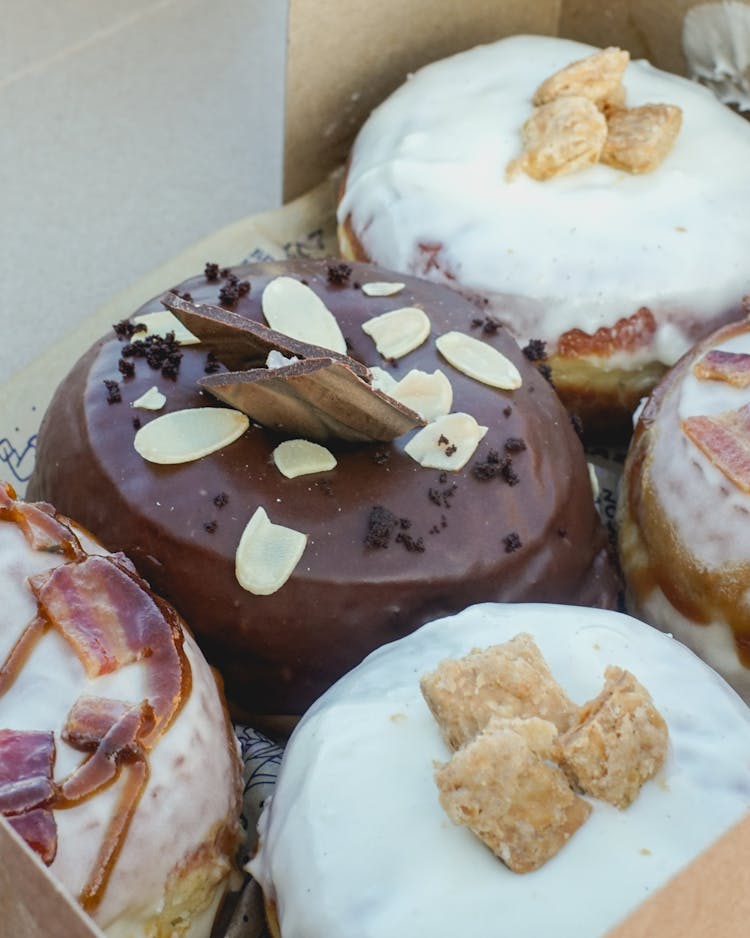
x=577 y=251
x=192 y=783
x=710 y=514
x=355 y=842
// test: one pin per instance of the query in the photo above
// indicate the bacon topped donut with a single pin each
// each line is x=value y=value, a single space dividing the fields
x=685 y=504
x=109 y=720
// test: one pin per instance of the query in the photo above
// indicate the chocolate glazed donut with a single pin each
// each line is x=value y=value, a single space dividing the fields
x=517 y=523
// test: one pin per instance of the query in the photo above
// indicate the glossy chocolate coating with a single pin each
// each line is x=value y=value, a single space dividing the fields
x=277 y=653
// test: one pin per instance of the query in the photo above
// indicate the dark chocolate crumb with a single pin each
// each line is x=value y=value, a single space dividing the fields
x=512 y=542
x=162 y=354
x=535 y=351
x=443 y=477
x=381 y=523
x=514 y=444
x=113 y=392
x=339 y=274
x=125 y=329
x=243 y=287
x=210 y=527
x=186 y=296
x=489 y=467
x=450 y=450
x=434 y=496
x=435 y=529
x=230 y=292
x=325 y=486
x=226 y=272
x=443 y=440
x=356 y=286
x=507 y=411
x=443 y=521
x=126 y=368
x=136 y=423
x=405 y=523
x=577 y=424
x=562 y=532
x=211 y=271
x=221 y=499
x=212 y=364
x=411 y=544
x=442 y=497
x=488 y=324
x=381 y=457
x=509 y=474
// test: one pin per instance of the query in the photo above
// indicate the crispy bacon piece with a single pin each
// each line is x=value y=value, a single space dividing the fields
x=110 y=619
x=731 y=367
x=39 y=524
x=26 y=762
x=725 y=440
x=39 y=829
x=27 y=758
x=113 y=731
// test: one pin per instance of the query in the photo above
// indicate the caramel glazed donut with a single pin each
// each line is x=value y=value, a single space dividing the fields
x=618 y=272
x=684 y=505
x=118 y=765
x=390 y=543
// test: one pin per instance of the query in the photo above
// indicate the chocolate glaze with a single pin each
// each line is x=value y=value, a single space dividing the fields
x=278 y=653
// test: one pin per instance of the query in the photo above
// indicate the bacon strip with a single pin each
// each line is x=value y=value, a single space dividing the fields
x=731 y=367
x=111 y=620
x=118 y=743
x=725 y=440
x=39 y=829
x=39 y=524
x=19 y=653
x=26 y=762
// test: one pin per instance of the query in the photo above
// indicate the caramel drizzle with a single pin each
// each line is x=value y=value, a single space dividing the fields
x=124 y=747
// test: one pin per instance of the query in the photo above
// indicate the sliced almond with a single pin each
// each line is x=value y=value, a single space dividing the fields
x=241 y=343
x=318 y=399
x=185 y=435
x=301 y=457
x=153 y=399
x=267 y=554
x=479 y=360
x=162 y=322
x=383 y=380
x=430 y=395
x=399 y=332
x=382 y=288
x=295 y=310
x=447 y=443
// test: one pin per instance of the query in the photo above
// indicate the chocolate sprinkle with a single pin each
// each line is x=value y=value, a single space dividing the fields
x=212 y=364
x=381 y=523
x=411 y=544
x=339 y=274
x=162 y=354
x=125 y=329
x=113 y=392
x=512 y=542
x=514 y=444
x=221 y=499
x=489 y=325
x=136 y=423
x=126 y=368
x=535 y=351
x=210 y=527
x=211 y=271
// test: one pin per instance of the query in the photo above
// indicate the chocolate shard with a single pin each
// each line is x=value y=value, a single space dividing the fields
x=241 y=343
x=318 y=399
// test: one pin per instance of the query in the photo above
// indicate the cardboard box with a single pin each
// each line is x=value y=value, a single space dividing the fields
x=344 y=57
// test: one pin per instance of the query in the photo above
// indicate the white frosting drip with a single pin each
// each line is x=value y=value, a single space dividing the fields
x=355 y=842
x=577 y=251
x=192 y=783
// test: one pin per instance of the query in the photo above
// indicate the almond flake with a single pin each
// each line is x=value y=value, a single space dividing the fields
x=399 y=332
x=381 y=288
x=162 y=322
x=383 y=380
x=597 y=77
x=267 y=554
x=185 y=435
x=564 y=136
x=430 y=395
x=153 y=399
x=638 y=138
x=301 y=457
x=479 y=360
x=295 y=310
x=447 y=443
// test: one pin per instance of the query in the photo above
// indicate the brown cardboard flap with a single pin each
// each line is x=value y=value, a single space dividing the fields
x=708 y=899
x=345 y=57
x=33 y=904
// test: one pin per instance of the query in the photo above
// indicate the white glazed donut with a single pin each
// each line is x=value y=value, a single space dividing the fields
x=354 y=840
x=566 y=259
x=173 y=862
x=683 y=521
